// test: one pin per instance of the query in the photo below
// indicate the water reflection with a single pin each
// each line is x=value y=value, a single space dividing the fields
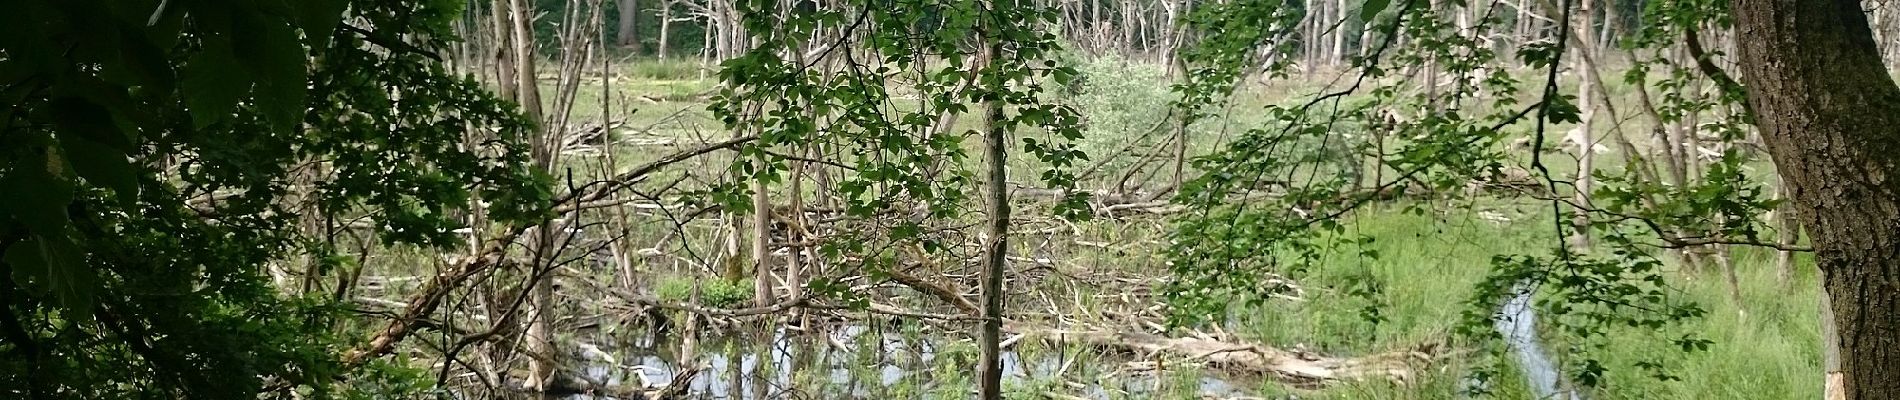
x=1517 y=321
x=851 y=361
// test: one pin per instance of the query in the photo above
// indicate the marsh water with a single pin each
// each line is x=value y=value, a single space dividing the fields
x=861 y=361
x=877 y=361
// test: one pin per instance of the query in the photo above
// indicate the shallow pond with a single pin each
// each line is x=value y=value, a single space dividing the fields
x=858 y=361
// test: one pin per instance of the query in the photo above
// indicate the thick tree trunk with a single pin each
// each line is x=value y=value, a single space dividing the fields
x=627 y=33
x=1830 y=115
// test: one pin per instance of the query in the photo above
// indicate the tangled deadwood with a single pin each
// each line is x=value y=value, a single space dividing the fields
x=1299 y=368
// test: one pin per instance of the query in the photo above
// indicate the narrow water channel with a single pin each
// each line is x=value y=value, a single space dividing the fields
x=1517 y=321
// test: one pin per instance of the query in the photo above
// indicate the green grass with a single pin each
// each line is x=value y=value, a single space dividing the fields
x=717 y=293
x=1429 y=265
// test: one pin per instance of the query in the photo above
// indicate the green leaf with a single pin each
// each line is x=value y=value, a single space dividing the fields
x=36 y=196
x=54 y=264
x=213 y=83
x=94 y=145
x=101 y=165
x=269 y=49
x=1371 y=9
x=79 y=118
x=145 y=61
x=318 y=19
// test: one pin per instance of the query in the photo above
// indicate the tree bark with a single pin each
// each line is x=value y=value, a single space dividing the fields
x=1584 y=135
x=538 y=336
x=1786 y=232
x=1830 y=115
x=627 y=33
x=996 y=246
x=666 y=27
x=504 y=48
x=1832 y=379
x=762 y=294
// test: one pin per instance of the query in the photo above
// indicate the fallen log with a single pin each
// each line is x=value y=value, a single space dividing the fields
x=568 y=384
x=1301 y=369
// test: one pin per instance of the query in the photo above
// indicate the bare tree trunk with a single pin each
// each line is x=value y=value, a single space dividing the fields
x=1786 y=232
x=1127 y=27
x=1606 y=39
x=1834 y=379
x=1584 y=136
x=504 y=49
x=666 y=28
x=795 y=234
x=1179 y=71
x=527 y=90
x=1529 y=22
x=627 y=33
x=539 y=339
x=1830 y=114
x=1339 y=34
x=762 y=294
x=1724 y=261
x=1096 y=26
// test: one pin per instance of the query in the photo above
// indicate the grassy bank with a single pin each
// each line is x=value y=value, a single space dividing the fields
x=1430 y=264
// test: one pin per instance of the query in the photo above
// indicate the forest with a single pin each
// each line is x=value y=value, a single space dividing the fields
x=949 y=199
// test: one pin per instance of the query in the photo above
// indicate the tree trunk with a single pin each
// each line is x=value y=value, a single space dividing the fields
x=539 y=338
x=1786 y=232
x=1832 y=380
x=1339 y=34
x=527 y=91
x=1830 y=115
x=762 y=294
x=1584 y=136
x=996 y=246
x=666 y=27
x=504 y=46
x=625 y=35
x=1179 y=71
x=1127 y=27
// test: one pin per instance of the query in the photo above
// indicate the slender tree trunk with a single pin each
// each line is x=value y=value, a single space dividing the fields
x=1830 y=114
x=1606 y=39
x=527 y=90
x=1096 y=27
x=1833 y=380
x=1724 y=261
x=1786 y=232
x=762 y=294
x=996 y=233
x=666 y=28
x=1127 y=27
x=539 y=335
x=1584 y=137
x=503 y=32
x=1179 y=71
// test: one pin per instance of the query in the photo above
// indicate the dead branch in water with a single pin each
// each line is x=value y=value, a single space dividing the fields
x=568 y=384
x=1299 y=368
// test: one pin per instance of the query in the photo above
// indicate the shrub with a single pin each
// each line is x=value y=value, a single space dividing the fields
x=1119 y=101
x=717 y=293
